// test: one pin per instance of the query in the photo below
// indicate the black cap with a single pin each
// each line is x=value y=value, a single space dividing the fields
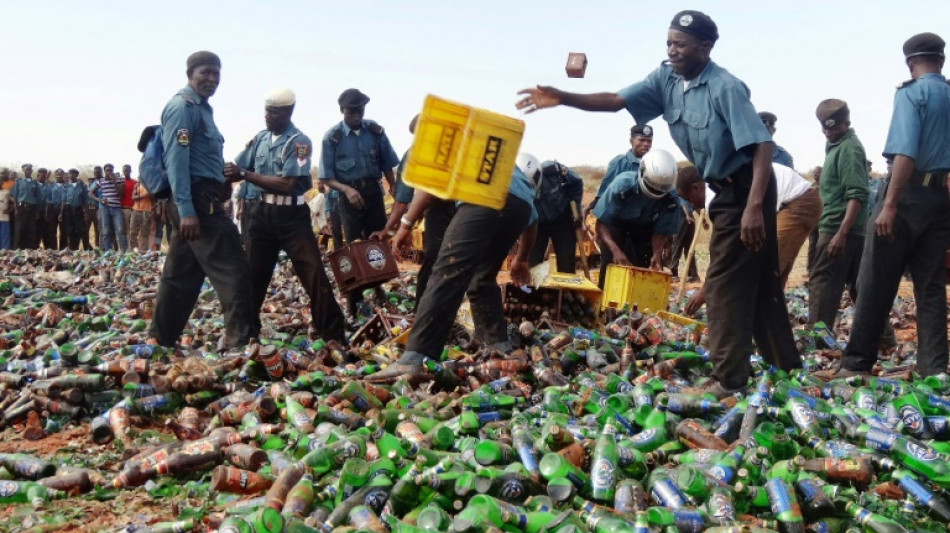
x=697 y=24
x=924 y=44
x=832 y=112
x=203 y=57
x=645 y=131
x=765 y=116
x=352 y=98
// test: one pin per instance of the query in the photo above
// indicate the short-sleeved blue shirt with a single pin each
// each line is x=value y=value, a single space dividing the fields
x=626 y=162
x=782 y=157
x=287 y=156
x=404 y=193
x=26 y=191
x=521 y=187
x=711 y=119
x=193 y=146
x=920 y=123
x=74 y=194
x=622 y=203
x=359 y=154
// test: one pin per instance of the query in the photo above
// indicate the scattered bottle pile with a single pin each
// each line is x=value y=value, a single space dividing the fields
x=577 y=429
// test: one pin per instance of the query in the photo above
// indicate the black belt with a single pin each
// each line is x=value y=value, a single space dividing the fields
x=24 y=204
x=934 y=178
x=363 y=183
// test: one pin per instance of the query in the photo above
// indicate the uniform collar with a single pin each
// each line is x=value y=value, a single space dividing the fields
x=847 y=135
x=631 y=157
x=347 y=130
x=191 y=94
x=933 y=75
x=701 y=79
x=291 y=129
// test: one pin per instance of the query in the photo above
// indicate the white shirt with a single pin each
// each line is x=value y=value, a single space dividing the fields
x=790 y=185
x=318 y=214
x=4 y=204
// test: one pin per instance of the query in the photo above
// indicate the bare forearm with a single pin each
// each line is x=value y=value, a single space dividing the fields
x=391 y=180
x=900 y=174
x=272 y=184
x=526 y=242
x=603 y=233
x=761 y=171
x=399 y=209
x=850 y=215
x=592 y=102
x=420 y=202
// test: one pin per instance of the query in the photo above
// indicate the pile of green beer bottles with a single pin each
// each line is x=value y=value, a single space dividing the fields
x=574 y=430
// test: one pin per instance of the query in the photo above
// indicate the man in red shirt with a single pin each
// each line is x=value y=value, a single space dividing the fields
x=127 y=200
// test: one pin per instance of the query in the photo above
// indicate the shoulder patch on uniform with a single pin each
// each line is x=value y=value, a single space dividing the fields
x=302 y=150
x=183 y=137
x=337 y=135
x=187 y=98
x=374 y=127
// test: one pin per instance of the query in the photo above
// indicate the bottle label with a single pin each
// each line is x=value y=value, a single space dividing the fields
x=376 y=499
x=779 y=497
x=862 y=516
x=8 y=488
x=688 y=521
x=913 y=420
x=704 y=455
x=511 y=490
x=880 y=439
x=938 y=424
x=918 y=491
x=602 y=476
x=644 y=436
x=665 y=493
x=722 y=473
x=936 y=401
x=866 y=401
x=301 y=418
x=720 y=506
x=921 y=452
x=802 y=415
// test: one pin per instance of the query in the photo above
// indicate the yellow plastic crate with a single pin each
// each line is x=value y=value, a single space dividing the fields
x=684 y=321
x=463 y=153
x=649 y=289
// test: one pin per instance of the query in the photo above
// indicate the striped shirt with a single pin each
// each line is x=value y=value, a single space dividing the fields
x=111 y=191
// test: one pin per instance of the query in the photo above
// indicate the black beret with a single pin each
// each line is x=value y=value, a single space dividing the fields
x=203 y=57
x=352 y=98
x=923 y=44
x=765 y=116
x=645 y=131
x=832 y=112
x=697 y=24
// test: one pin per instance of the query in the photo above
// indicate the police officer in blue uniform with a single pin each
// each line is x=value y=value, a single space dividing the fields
x=54 y=234
x=354 y=154
x=42 y=209
x=476 y=245
x=206 y=242
x=638 y=214
x=556 y=188
x=26 y=197
x=910 y=225
x=714 y=124
x=641 y=140
x=780 y=155
x=276 y=166
x=75 y=197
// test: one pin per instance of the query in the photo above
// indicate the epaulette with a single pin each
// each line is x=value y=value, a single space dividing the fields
x=374 y=127
x=187 y=98
x=337 y=135
x=906 y=83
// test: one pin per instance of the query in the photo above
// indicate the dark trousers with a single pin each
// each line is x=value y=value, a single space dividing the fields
x=921 y=236
x=358 y=224
x=475 y=247
x=216 y=254
x=437 y=219
x=635 y=242
x=46 y=224
x=90 y=219
x=70 y=234
x=812 y=249
x=681 y=244
x=830 y=276
x=24 y=237
x=336 y=226
x=560 y=232
x=269 y=230
x=743 y=290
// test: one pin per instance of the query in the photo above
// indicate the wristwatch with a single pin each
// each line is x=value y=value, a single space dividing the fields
x=243 y=172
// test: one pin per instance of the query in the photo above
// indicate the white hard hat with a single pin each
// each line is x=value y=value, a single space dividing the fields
x=657 y=175
x=528 y=164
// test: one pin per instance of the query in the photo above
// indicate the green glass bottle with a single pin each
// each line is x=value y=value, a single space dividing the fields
x=872 y=522
x=785 y=506
x=554 y=465
x=603 y=471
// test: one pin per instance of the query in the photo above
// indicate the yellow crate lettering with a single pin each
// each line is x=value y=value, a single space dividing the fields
x=488 y=160
x=446 y=142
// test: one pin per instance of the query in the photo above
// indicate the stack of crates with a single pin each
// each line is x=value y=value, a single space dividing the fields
x=463 y=153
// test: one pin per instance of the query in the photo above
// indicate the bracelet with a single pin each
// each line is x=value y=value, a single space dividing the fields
x=391 y=233
x=406 y=222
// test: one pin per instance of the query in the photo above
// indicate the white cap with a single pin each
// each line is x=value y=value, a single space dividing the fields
x=280 y=98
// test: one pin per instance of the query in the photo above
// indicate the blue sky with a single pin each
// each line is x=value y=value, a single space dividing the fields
x=81 y=80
